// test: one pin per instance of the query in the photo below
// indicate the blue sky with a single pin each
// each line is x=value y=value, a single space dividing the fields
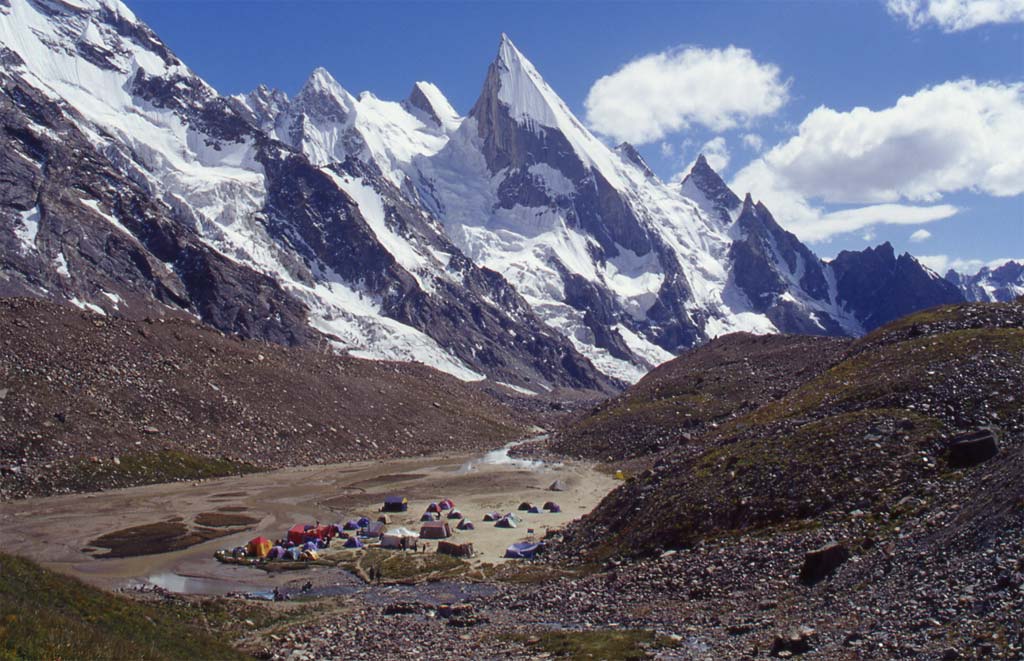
x=798 y=56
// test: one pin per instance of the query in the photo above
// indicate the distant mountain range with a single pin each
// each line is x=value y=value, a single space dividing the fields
x=510 y=244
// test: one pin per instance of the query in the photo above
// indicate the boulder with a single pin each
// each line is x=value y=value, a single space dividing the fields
x=972 y=448
x=797 y=641
x=821 y=562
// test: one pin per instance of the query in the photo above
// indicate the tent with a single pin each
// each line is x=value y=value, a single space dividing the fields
x=457 y=550
x=523 y=550
x=363 y=522
x=297 y=533
x=309 y=546
x=428 y=516
x=383 y=518
x=557 y=485
x=395 y=504
x=492 y=516
x=310 y=554
x=548 y=505
x=524 y=506
x=619 y=475
x=446 y=504
x=434 y=507
x=435 y=530
x=554 y=509
x=351 y=525
x=375 y=529
x=293 y=553
x=466 y=524
x=276 y=552
x=508 y=521
x=535 y=510
x=399 y=538
x=353 y=543
x=258 y=547
x=455 y=514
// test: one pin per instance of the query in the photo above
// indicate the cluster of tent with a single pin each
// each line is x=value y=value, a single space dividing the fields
x=305 y=541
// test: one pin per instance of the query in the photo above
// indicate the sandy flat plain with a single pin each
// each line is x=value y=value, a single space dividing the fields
x=57 y=531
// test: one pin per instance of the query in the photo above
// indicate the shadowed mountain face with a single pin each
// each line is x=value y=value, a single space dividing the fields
x=511 y=244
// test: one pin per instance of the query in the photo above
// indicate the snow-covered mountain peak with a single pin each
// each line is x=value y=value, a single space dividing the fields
x=520 y=88
x=322 y=93
x=431 y=101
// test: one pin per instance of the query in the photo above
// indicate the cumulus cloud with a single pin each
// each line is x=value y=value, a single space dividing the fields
x=955 y=136
x=956 y=15
x=920 y=235
x=753 y=141
x=942 y=263
x=665 y=92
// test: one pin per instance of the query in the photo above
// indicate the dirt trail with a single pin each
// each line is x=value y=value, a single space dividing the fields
x=56 y=531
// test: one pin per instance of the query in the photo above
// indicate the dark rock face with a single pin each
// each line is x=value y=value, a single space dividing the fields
x=703 y=178
x=820 y=563
x=879 y=287
x=79 y=254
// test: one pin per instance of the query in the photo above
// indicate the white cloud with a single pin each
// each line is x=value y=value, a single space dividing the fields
x=955 y=136
x=812 y=223
x=753 y=141
x=667 y=149
x=920 y=235
x=957 y=15
x=942 y=263
x=665 y=92
x=868 y=236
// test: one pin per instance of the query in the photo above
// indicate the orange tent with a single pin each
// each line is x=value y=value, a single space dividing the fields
x=259 y=547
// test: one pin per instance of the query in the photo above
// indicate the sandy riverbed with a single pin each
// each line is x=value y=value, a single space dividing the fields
x=55 y=530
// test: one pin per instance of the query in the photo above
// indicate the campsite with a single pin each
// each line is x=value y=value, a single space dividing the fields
x=61 y=532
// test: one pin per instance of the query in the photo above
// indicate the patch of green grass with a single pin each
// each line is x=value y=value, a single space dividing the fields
x=151 y=468
x=45 y=615
x=601 y=644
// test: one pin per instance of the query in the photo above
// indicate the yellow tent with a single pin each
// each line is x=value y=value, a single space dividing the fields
x=619 y=475
x=258 y=547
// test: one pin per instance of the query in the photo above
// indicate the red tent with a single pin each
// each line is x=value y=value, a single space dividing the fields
x=297 y=533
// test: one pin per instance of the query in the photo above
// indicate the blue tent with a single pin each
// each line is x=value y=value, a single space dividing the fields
x=310 y=546
x=534 y=510
x=351 y=525
x=294 y=553
x=363 y=522
x=508 y=521
x=276 y=553
x=523 y=550
x=554 y=509
x=428 y=516
x=466 y=524
x=396 y=504
x=353 y=543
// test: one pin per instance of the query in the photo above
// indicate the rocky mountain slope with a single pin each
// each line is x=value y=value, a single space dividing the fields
x=864 y=434
x=679 y=401
x=88 y=401
x=510 y=244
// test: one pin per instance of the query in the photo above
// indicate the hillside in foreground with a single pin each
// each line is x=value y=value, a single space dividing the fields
x=89 y=402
